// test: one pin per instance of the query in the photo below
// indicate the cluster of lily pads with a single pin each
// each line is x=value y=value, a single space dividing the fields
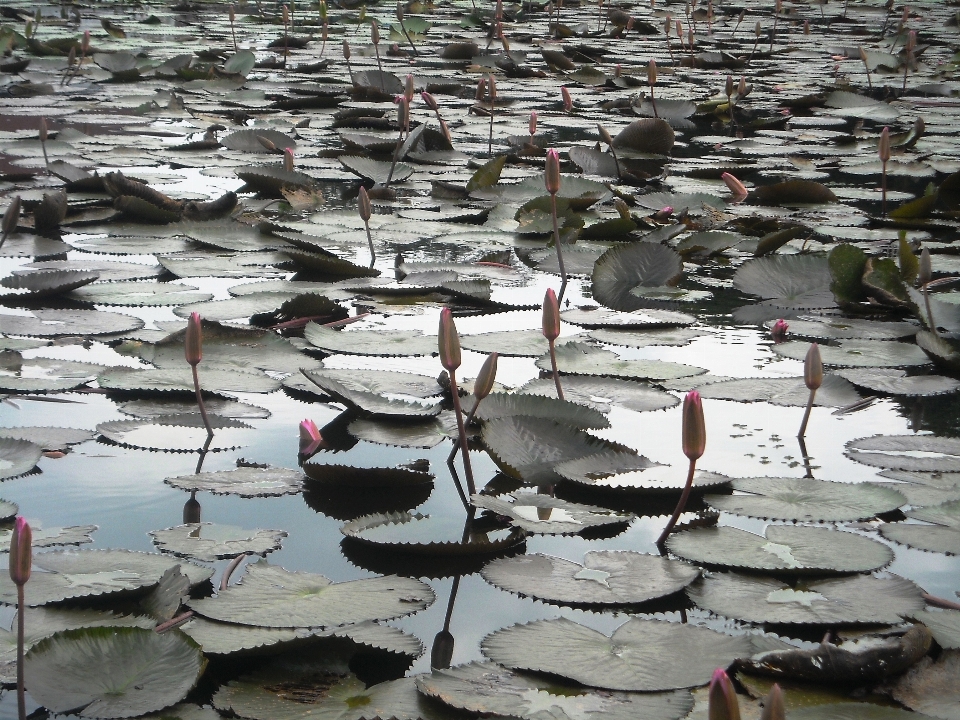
x=320 y=196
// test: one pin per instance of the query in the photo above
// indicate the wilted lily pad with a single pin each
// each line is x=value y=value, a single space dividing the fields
x=601 y=393
x=548 y=515
x=370 y=342
x=112 y=672
x=244 y=481
x=786 y=549
x=210 y=541
x=579 y=359
x=855 y=600
x=932 y=687
x=17 y=457
x=607 y=577
x=274 y=597
x=806 y=499
x=489 y=689
x=860 y=353
x=903 y=452
x=642 y=655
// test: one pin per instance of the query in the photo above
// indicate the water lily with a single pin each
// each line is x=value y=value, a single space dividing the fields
x=779 y=330
x=736 y=188
x=21 y=552
x=551 y=331
x=812 y=378
x=773 y=706
x=694 y=442
x=193 y=350
x=310 y=438
x=448 y=342
x=567 y=100
x=723 y=704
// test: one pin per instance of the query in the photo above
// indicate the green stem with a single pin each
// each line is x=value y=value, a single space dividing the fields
x=203 y=409
x=21 y=696
x=373 y=254
x=556 y=373
x=461 y=428
x=806 y=414
x=684 y=496
x=556 y=242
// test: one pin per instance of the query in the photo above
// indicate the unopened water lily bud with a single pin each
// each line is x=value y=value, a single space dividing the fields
x=233 y=13
x=806 y=27
x=400 y=12
x=742 y=88
x=492 y=84
x=567 y=100
x=288 y=159
x=448 y=341
x=728 y=88
x=552 y=173
x=193 y=342
x=925 y=273
x=605 y=134
x=774 y=707
x=652 y=72
x=310 y=438
x=533 y=122
x=779 y=329
x=663 y=213
x=756 y=29
x=363 y=205
x=883 y=146
x=911 y=41
x=11 y=216
x=723 y=703
x=408 y=88
x=813 y=368
x=402 y=112
x=551 y=315
x=481 y=90
x=21 y=552
x=694 y=429
x=736 y=188
x=429 y=100
x=486 y=377
x=286 y=15
x=375 y=32
x=679 y=28
x=346 y=50
x=85 y=43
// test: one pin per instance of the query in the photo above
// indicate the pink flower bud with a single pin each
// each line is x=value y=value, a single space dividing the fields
x=408 y=88
x=429 y=100
x=492 y=84
x=363 y=205
x=486 y=377
x=85 y=43
x=193 y=342
x=813 y=368
x=21 y=552
x=694 y=429
x=288 y=159
x=652 y=72
x=448 y=341
x=233 y=13
x=736 y=188
x=551 y=315
x=567 y=100
x=774 y=707
x=925 y=273
x=481 y=89
x=722 y=698
x=663 y=213
x=346 y=51
x=605 y=135
x=533 y=123
x=883 y=146
x=375 y=32
x=552 y=173
x=779 y=330
x=310 y=438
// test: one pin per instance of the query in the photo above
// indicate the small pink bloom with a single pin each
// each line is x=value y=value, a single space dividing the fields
x=310 y=438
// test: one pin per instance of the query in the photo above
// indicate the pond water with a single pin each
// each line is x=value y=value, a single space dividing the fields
x=97 y=124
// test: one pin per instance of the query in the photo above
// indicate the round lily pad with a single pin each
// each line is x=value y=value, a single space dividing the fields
x=17 y=457
x=155 y=407
x=944 y=624
x=414 y=533
x=646 y=338
x=108 y=270
x=45 y=374
x=942 y=536
x=370 y=342
x=139 y=294
x=274 y=597
x=793 y=281
x=509 y=343
x=548 y=515
x=851 y=329
x=244 y=481
x=51 y=323
x=426 y=433
x=47 y=283
x=491 y=690
x=576 y=358
x=48 y=438
x=180 y=379
x=806 y=499
x=855 y=600
x=788 y=392
x=629 y=265
x=860 y=353
x=896 y=382
x=112 y=672
x=370 y=404
x=641 y=656
x=925 y=453
x=596 y=317
x=51 y=536
x=210 y=541
x=786 y=549
x=498 y=405
x=601 y=393
x=175 y=433
x=607 y=577
x=624 y=473
x=380 y=382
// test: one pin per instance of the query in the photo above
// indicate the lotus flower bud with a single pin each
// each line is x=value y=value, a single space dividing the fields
x=448 y=341
x=346 y=50
x=400 y=12
x=728 y=89
x=779 y=329
x=233 y=13
x=567 y=100
x=737 y=188
x=723 y=703
x=444 y=128
x=481 y=90
x=429 y=100
x=492 y=84
x=926 y=268
x=883 y=146
x=773 y=706
x=663 y=213
x=488 y=373
x=667 y=25
x=288 y=159
x=363 y=205
x=408 y=88
x=806 y=27
x=690 y=37
x=402 y=112
x=604 y=135
x=191 y=510
x=533 y=123
x=679 y=27
x=193 y=342
x=694 y=429
x=310 y=438
x=742 y=88
x=43 y=129
x=551 y=315
x=652 y=72
x=813 y=368
x=11 y=216
x=85 y=43
x=779 y=7
x=21 y=552
x=756 y=29
x=286 y=15
x=911 y=41
x=375 y=32
x=441 y=655
x=552 y=173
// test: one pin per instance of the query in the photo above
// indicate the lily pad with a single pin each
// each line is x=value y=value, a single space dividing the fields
x=51 y=323
x=641 y=656
x=215 y=406
x=370 y=404
x=942 y=536
x=786 y=549
x=47 y=283
x=498 y=405
x=380 y=382
x=918 y=453
x=791 y=281
x=509 y=343
x=244 y=482
x=405 y=432
x=647 y=338
x=860 y=353
x=548 y=515
x=414 y=533
x=624 y=473
x=855 y=600
x=17 y=457
x=607 y=577
x=787 y=392
x=806 y=499
x=896 y=382
x=624 y=267
x=44 y=374
x=210 y=542
x=944 y=624
x=180 y=379
x=48 y=438
x=175 y=433
x=274 y=597
x=354 y=478
x=602 y=393
x=52 y=536
x=491 y=690
x=112 y=672
x=139 y=294
x=851 y=329
x=580 y=359
x=370 y=342
x=376 y=170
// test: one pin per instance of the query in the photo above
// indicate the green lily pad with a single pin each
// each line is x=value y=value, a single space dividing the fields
x=806 y=499
x=490 y=690
x=624 y=267
x=548 y=515
x=139 y=294
x=855 y=600
x=510 y=343
x=791 y=281
x=376 y=170
x=175 y=433
x=52 y=536
x=213 y=378
x=44 y=374
x=210 y=542
x=903 y=452
x=108 y=270
x=370 y=342
x=155 y=407
x=498 y=405
x=271 y=596
x=942 y=536
x=47 y=283
x=244 y=482
x=379 y=382
x=596 y=317
x=853 y=711
x=406 y=433
x=786 y=549
x=112 y=672
x=602 y=393
x=787 y=392
x=370 y=404
x=896 y=382
x=579 y=359
x=641 y=656
x=860 y=353
x=851 y=329
x=51 y=323
x=624 y=473
x=607 y=577
x=646 y=338
x=354 y=478
x=17 y=457
x=414 y=533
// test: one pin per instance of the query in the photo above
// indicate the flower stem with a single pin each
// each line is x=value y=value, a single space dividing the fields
x=373 y=253
x=461 y=428
x=806 y=414
x=556 y=242
x=203 y=409
x=684 y=496
x=556 y=373
x=21 y=697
